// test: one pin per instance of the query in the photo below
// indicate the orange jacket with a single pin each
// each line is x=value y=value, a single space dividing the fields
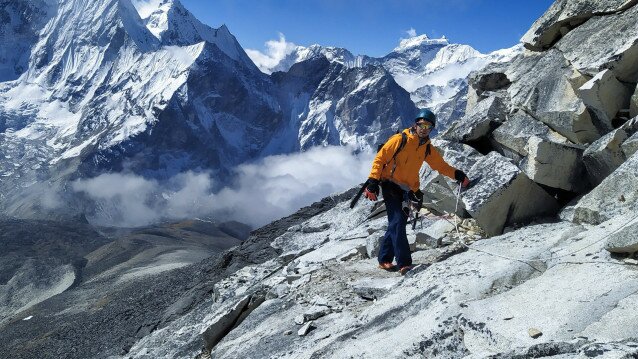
x=408 y=161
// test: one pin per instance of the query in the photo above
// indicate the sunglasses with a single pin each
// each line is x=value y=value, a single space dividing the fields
x=424 y=125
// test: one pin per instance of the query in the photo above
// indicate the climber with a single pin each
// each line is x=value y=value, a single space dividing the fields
x=396 y=170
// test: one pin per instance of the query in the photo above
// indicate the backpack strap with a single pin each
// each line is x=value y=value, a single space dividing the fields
x=404 y=139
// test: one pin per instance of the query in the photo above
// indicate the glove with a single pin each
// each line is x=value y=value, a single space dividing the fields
x=415 y=197
x=372 y=189
x=461 y=178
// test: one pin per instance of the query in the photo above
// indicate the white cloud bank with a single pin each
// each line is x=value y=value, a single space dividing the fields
x=275 y=52
x=264 y=191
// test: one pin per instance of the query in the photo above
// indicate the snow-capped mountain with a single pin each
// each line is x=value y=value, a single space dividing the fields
x=301 y=53
x=331 y=104
x=98 y=89
x=173 y=24
x=433 y=71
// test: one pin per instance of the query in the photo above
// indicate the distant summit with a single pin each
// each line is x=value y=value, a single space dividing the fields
x=420 y=40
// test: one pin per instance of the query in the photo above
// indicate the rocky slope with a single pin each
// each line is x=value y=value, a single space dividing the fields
x=128 y=283
x=551 y=137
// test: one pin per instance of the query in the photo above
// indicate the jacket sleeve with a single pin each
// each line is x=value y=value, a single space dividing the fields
x=437 y=163
x=384 y=156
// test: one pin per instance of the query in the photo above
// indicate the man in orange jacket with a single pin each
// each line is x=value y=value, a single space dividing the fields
x=398 y=175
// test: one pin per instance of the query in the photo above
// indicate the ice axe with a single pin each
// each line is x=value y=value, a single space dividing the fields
x=418 y=211
x=355 y=199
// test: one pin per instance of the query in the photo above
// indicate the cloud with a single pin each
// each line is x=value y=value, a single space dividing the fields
x=276 y=51
x=146 y=7
x=411 y=32
x=266 y=190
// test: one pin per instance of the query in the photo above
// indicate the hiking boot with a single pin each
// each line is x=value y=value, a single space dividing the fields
x=405 y=269
x=387 y=266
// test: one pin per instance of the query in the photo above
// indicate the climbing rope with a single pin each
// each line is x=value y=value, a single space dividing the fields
x=528 y=261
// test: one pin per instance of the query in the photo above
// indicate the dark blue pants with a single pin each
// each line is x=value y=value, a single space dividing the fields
x=395 y=242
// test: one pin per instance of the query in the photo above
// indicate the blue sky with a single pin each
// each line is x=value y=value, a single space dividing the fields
x=371 y=27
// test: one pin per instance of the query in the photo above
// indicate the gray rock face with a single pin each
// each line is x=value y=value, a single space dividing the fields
x=457 y=154
x=605 y=42
x=605 y=95
x=484 y=118
x=482 y=83
x=544 y=85
x=504 y=195
x=633 y=105
x=624 y=240
x=602 y=157
x=439 y=195
x=373 y=244
x=554 y=165
x=562 y=17
x=630 y=146
x=438 y=230
x=491 y=78
x=616 y=195
x=368 y=97
x=511 y=138
x=440 y=191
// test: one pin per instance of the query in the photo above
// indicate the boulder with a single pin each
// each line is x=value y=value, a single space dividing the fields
x=438 y=230
x=423 y=238
x=562 y=17
x=633 y=104
x=554 y=165
x=511 y=138
x=440 y=191
x=616 y=195
x=484 y=118
x=504 y=195
x=605 y=42
x=490 y=81
x=602 y=157
x=543 y=84
x=625 y=240
x=439 y=196
x=459 y=155
x=303 y=331
x=605 y=95
x=484 y=81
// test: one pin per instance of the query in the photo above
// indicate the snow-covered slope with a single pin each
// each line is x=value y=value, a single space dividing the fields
x=100 y=89
x=173 y=24
x=19 y=26
x=301 y=53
